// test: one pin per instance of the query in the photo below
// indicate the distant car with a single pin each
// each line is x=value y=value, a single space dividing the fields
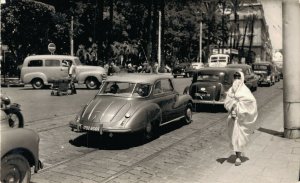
x=183 y=69
x=129 y=103
x=278 y=74
x=266 y=73
x=40 y=70
x=197 y=65
x=19 y=152
x=251 y=79
x=209 y=85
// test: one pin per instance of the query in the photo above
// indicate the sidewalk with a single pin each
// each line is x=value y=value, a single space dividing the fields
x=270 y=158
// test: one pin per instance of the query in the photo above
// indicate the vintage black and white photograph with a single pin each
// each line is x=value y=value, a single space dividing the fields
x=150 y=91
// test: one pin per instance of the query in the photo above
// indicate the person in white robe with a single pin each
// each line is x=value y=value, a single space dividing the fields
x=241 y=122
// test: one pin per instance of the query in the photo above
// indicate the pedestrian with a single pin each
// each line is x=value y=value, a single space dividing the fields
x=242 y=108
x=72 y=75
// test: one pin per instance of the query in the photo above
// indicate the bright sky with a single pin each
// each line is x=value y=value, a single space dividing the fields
x=273 y=15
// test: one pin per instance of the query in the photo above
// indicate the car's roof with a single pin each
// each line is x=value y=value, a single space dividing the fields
x=50 y=57
x=262 y=63
x=217 y=69
x=139 y=77
x=238 y=66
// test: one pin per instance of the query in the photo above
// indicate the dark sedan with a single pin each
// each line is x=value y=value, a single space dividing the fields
x=183 y=69
x=209 y=85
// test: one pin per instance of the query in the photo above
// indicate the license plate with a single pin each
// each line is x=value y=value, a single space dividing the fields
x=91 y=128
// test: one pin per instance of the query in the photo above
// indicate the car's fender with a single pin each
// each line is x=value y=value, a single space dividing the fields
x=182 y=100
x=148 y=112
x=82 y=76
x=27 y=78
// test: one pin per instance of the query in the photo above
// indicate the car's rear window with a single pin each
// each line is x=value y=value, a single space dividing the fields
x=260 y=67
x=208 y=77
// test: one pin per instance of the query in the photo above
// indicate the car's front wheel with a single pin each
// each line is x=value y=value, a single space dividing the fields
x=15 y=168
x=92 y=83
x=37 y=83
x=188 y=114
x=151 y=130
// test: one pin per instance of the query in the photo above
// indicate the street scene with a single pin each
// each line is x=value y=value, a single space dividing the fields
x=157 y=91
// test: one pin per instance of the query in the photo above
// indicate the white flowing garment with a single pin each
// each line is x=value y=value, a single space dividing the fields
x=240 y=99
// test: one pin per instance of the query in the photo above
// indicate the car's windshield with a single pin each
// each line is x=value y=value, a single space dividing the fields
x=125 y=89
x=208 y=77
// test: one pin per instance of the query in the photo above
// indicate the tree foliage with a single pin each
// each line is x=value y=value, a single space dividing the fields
x=113 y=30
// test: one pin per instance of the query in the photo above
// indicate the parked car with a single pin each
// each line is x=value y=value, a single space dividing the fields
x=209 y=85
x=251 y=79
x=266 y=73
x=40 y=70
x=19 y=152
x=184 y=69
x=135 y=102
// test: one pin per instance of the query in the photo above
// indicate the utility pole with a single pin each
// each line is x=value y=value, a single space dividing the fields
x=200 y=42
x=159 y=40
x=71 y=37
x=291 y=68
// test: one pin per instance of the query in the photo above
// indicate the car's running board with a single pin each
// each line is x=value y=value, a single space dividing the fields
x=176 y=119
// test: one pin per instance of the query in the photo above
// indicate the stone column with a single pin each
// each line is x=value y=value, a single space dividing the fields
x=291 y=68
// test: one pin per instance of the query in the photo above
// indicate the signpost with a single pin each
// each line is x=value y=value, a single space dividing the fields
x=51 y=48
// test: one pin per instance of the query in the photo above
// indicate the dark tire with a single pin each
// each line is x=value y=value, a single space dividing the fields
x=188 y=114
x=15 y=168
x=151 y=131
x=92 y=83
x=37 y=83
x=15 y=119
x=175 y=76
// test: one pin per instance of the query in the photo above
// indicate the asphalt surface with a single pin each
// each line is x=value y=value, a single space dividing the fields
x=77 y=157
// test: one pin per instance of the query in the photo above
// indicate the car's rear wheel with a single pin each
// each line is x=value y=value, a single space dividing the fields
x=92 y=83
x=188 y=114
x=37 y=83
x=15 y=168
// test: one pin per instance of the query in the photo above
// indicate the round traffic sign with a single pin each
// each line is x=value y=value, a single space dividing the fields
x=51 y=47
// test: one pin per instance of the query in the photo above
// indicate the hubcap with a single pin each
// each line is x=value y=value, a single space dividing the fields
x=13 y=121
x=148 y=128
x=92 y=83
x=38 y=83
x=189 y=114
x=13 y=175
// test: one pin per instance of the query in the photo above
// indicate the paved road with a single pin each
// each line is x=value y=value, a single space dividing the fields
x=77 y=157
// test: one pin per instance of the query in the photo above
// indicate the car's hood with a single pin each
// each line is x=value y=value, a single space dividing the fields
x=107 y=109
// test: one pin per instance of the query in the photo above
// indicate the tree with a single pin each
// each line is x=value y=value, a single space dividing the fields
x=26 y=27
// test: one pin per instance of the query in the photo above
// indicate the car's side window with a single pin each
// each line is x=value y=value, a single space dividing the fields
x=157 y=88
x=35 y=63
x=52 y=63
x=166 y=85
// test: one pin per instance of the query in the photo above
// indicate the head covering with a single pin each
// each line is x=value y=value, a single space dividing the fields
x=240 y=100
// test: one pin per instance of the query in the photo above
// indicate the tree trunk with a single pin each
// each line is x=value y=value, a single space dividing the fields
x=154 y=33
x=162 y=9
x=100 y=5
x=251 y=39
x=244 y=37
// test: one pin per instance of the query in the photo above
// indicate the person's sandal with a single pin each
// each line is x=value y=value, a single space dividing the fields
x=238 y=162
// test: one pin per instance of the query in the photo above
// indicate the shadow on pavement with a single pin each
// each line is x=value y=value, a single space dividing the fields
x=271 y=132
x=209 y=108
x=118 y=141
x=231 y=159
